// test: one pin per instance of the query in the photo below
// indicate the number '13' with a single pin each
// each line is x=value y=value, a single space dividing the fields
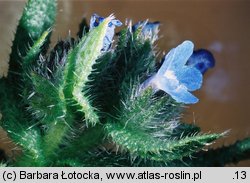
x=241 y=175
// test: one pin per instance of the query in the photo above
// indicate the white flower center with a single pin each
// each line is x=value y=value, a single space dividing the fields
x=170 y=75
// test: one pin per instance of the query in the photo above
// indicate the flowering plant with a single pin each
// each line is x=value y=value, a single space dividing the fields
x=102 y=99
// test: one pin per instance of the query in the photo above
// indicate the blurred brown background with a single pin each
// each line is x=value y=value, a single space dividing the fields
x=222 y=26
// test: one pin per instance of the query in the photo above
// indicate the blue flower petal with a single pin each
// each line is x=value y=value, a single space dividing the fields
x=190 y=77
x=177 y=57
x=202 y=60
x=176 y=78
x=166 y=83
x=174 y=88
x=96 y=20
x=181 y=95
x=116 y=22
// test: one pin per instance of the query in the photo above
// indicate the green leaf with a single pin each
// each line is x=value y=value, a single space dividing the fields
x=139 y=143
x=38 y=16
x=31 y=143
x=18 y=127
x=45 y=106
x=82 y=142
x=97 y=158
x=78 y=68
x=222 y=156
x=30 y=59
x=51 y=110
x=29 y=63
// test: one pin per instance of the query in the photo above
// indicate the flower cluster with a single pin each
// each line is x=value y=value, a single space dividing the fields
x=182 y=68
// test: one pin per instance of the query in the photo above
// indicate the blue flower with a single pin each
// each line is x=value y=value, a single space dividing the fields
x=175 y=77
x=149 y=29
x=202 y=60
x=96 y=20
